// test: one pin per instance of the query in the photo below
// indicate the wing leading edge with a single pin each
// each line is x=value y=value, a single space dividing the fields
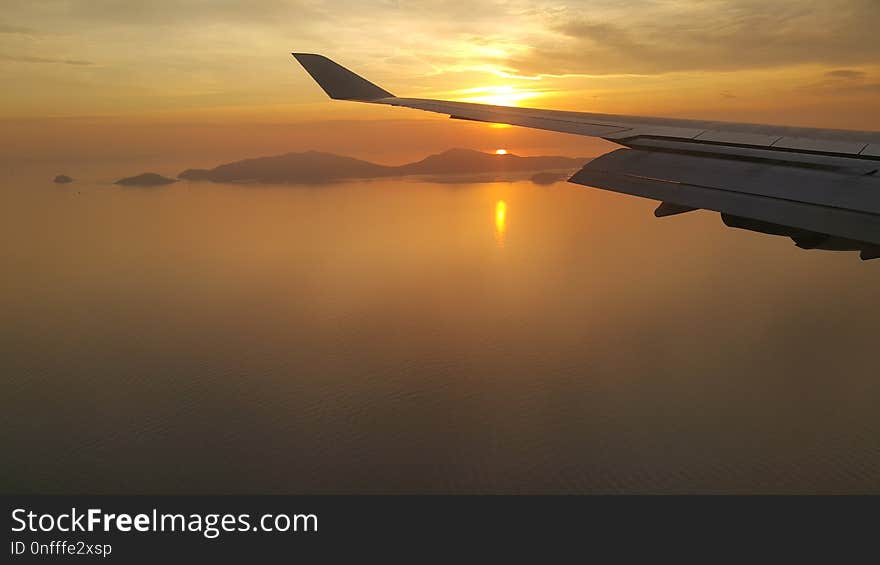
x=819 y=187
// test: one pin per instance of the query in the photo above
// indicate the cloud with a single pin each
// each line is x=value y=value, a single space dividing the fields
x=869 y=87
x=175 y=54
x=846 y=74
x=94 y=13
x=517 y=37
x=839 y=81
x=14 y=29
x=28 y=59
x=714 y=35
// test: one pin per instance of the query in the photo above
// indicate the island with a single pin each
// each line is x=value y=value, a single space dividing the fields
x=145 y=179
x=62 y=179
x=315 y=167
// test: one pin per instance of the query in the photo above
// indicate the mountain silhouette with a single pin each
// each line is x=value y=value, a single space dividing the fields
x=315 y=167
x=460 y=161
x=308 y=167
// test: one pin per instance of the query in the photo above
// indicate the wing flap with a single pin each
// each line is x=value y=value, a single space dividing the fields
x=821 y=145
x=872 y=150
x=738 y=138
x=617 y=176
x=795 y=183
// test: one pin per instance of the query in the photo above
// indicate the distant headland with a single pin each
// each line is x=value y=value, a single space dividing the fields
x=314 y=167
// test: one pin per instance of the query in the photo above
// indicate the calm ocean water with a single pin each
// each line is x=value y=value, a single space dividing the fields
x=397 y=336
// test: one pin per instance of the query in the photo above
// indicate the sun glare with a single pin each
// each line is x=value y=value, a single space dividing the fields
x=498 y=95
x=501 y=151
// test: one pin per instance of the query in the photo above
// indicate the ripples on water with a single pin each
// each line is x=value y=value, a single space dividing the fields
x=411 y=337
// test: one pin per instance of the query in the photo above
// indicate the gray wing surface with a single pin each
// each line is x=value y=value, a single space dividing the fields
x=820 y=187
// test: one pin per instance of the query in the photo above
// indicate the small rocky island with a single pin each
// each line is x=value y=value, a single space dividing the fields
x=62 y=179
x=145 y=179
x=550 y=177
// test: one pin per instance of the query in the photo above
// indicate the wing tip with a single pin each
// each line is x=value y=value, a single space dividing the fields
x=338 y=82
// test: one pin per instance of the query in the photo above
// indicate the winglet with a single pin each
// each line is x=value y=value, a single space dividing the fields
x=338 y=82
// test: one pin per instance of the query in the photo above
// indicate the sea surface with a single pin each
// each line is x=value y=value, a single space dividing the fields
x=413 y=337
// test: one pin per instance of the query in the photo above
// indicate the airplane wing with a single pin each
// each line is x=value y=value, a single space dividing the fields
x=820 y=187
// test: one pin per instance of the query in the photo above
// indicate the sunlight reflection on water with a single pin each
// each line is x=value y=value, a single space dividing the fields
x=500 y=222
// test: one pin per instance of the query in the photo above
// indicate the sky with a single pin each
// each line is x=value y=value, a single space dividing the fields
x=218 y=74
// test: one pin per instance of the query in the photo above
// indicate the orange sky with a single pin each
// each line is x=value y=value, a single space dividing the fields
x=212 y=80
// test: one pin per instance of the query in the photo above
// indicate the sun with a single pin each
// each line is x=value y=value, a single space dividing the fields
x=501 y=151
x=497 y=95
